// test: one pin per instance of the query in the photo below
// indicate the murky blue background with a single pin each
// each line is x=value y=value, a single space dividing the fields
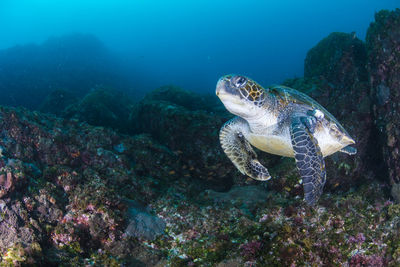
x=192 y=43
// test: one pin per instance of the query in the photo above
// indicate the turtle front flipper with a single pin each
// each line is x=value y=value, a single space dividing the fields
x=239 y=150
x=309 y=160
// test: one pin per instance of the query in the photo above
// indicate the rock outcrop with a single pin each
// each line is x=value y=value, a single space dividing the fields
x=75 y=63
x=383 y=43
x=178 y=120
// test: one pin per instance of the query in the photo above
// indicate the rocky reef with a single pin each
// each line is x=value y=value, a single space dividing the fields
x=383 y=42
x=340 y=59
x=69 y=190
x=103 y=181
x=75 y=194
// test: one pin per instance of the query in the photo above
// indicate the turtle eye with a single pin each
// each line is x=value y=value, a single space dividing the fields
x=334 y=130
x=239 y=81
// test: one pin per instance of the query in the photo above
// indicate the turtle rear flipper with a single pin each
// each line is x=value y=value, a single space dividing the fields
x=349 y=150
x=239 y=151
x=309 y=160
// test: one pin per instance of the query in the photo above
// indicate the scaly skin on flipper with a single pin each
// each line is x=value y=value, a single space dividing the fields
x=309 y=160
x=239 y=151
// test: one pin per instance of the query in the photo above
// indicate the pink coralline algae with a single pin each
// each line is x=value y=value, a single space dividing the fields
x=250 y=249
x=6 y=182
x=360 y=260
x=63 y=239
x=359 y=238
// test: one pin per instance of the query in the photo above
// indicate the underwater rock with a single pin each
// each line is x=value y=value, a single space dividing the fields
x=395 y=192
x=12 y=176
x=75 y=62
x=244 y=195
x=57 y=101
x=151 y=159
x=189 y=100
x=281 y=231
x=100 y=107
x=231 y=263
x=336 y=77
x=19 y=238
x=191 y=134
x=12 y=228
x=20 y=233
x=63 y=183
x=142 y=224
x=383 y=43
x=340 y=59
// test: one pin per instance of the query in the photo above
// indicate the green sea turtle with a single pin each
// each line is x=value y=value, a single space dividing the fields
x=282 y=121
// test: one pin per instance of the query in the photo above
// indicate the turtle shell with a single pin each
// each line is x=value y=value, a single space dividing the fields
x=287 y=95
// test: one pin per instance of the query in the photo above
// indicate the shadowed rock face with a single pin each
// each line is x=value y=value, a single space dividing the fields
x=340 y=58
x=336 y=77
x=177 y=119
x=57 y=101
x=100 y=107
x=383 y=42
x=75 y=63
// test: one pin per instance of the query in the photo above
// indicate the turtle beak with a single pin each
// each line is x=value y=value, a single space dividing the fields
x=224 y=88
x=347 y=140
x=221 y=85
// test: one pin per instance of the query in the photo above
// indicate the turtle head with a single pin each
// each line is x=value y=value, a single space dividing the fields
x=240 y=95
x=337 y=132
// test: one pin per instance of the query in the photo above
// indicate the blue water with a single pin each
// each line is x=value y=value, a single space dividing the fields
x=192 y=43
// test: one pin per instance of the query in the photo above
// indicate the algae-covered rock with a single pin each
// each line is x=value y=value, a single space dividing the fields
x=383 y=42
x=100 y=107
x=247 y=196
x=57 y=101
x=150 y=158
x=103 y=107
x=340 y=58
x=187 y=99
x=142 y=223
x=191 y=133
x=63 y=185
